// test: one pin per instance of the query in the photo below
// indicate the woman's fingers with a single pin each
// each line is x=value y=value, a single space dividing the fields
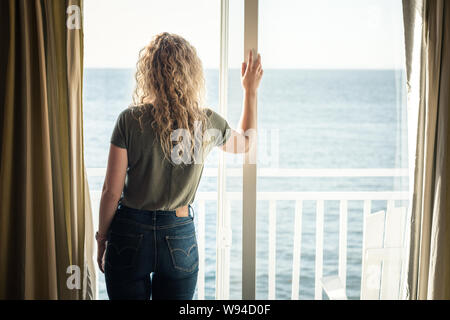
x=100 y=264
x=244 y=68
x=252 y=63
x=259 y=67
x=101 y=256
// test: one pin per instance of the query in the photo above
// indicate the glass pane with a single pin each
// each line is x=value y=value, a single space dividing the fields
x=332 y=149
x=114 y=33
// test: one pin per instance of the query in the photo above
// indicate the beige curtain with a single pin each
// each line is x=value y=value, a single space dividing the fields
x=427 y=38
x=45 y=215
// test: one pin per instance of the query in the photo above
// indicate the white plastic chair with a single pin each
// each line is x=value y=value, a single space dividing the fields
x=382 y=258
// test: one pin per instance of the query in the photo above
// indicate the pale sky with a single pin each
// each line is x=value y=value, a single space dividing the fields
x=319 y=34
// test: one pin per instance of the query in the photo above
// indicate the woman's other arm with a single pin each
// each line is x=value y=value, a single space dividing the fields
x=111 y=193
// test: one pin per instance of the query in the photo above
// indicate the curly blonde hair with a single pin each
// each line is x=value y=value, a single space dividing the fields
x=170 y=85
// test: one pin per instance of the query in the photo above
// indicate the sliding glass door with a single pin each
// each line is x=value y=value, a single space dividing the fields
x=332 y=157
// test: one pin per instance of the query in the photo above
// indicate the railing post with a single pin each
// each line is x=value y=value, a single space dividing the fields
x=319 y=249
x=272 y=247
x=343 y=214
x=367 y=208
x=297 y=249
x=201 y=249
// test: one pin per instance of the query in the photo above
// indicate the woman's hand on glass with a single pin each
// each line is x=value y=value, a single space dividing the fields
x=251 y=73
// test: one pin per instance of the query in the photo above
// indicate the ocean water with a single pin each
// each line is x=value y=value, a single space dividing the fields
x=307 y=119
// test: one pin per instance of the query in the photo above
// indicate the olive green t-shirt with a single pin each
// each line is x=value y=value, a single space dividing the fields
x=152 y=181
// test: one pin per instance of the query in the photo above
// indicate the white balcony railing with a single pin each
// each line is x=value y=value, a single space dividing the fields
x=298 y=197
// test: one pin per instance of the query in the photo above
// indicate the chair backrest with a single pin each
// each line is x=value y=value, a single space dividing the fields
x=383 y=254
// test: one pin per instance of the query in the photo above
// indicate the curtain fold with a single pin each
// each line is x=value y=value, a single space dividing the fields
x=46 y=242
x=427 y=42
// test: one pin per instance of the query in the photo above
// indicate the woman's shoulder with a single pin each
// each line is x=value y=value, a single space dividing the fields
x=208 y=111
x=213 y=116
x=217 y=121
x=132 y=113
x=138 y=114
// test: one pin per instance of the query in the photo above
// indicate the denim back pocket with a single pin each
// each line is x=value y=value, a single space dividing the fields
x=184 y=252
x=122 y=250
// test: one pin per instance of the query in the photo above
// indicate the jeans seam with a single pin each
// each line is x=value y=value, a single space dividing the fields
x=156 y=245
x=173 y=225
x=154 y=227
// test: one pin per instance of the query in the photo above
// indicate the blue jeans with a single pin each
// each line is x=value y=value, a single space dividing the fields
x=151 y=254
